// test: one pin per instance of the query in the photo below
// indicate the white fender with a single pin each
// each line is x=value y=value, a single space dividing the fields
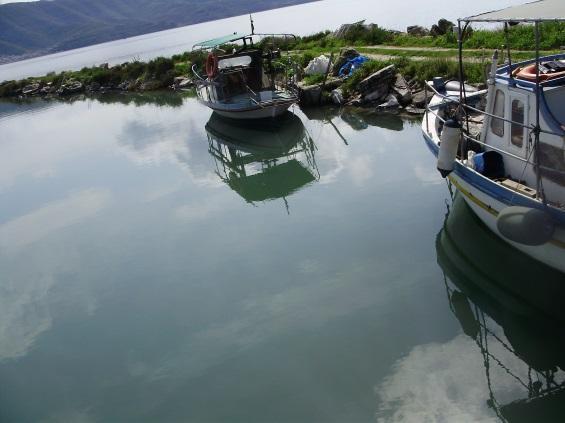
x=449 y=144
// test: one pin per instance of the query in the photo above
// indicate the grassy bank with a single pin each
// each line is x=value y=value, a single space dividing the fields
x=520 y=37
x=130 y=76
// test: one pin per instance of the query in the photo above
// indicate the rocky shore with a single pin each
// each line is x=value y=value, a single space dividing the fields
x=385 y=89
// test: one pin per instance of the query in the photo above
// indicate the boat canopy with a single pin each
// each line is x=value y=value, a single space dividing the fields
x=203 y=45
x=537 y=11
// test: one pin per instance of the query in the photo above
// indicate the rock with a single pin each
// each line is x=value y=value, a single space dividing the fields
x=70 y=87
x=356 y=101
x=309 y=95
x=402 y=90
x=31 y=89
x=414 y=110
x=337 y=97
x=150 y=85
x=346 y=29
x=417 y=30
x=344 y=55
x=376 y=86
x=124 y=85
x=391 y=103
x=443 y=27
x=419 y=98
x=181 y=82
x=95 y=86
x=333 y=83
x=186 y=83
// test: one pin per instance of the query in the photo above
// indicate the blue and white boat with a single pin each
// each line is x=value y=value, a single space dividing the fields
x=511 y=171
x=247 y=83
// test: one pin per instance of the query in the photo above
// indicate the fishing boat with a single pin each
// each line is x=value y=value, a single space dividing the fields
x=263 y=160
x=250 y=82
x=503 y=148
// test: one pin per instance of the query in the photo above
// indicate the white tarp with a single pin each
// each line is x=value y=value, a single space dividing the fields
x=318 y=65
x=542 y=10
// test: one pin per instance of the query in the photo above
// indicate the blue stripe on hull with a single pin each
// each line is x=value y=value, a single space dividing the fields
x=493 y=189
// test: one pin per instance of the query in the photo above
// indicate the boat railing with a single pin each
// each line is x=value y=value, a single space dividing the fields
x=195 y=72
x=456 y=100
x=467 y=137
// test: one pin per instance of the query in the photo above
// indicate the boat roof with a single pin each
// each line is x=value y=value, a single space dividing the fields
x=537 y=11
x=215 y=42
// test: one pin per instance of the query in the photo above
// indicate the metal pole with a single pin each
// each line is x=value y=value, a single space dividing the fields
x=426 y=105
x=508 y=48
x=539 y=187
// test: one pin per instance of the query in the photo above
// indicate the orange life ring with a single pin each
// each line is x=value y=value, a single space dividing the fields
x=529 y=74
x=212 y=65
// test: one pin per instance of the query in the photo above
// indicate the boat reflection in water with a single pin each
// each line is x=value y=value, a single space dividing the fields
x=514 y=313
x=265 y=159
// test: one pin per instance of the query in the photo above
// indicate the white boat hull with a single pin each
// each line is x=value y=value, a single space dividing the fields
x=487 y=198
x=253 y=113
x=486 y=208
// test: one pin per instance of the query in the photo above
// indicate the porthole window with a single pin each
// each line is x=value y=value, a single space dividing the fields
x=517 y=132
x=497 y=125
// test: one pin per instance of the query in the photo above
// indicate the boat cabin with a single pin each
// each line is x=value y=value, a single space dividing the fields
x=513 y=98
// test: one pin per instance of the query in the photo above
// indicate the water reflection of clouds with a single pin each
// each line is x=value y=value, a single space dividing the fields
x=447 y=383
x=30 y=267
x=152 y=141
x=25 y=230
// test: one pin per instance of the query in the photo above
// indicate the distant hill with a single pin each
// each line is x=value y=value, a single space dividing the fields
x=48 y=26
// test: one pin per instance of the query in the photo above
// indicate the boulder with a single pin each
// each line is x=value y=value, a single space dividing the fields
x=309 y=95
x=356 y=101
x=443 y=27
x=417 y=30
x=185 y=83
x=414 y=110
x=402 y=90
x=31 y=89
x=93 y=87
x=420 y=100
x=337 y=96
x=391 y=103
x=377 y=85
x=344 y=55
x=70 y=87
x=346 y=29
x=150 y=85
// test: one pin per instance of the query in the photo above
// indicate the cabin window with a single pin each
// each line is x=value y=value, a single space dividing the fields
x=234 y=62
x=497 y=125
x=517 y=132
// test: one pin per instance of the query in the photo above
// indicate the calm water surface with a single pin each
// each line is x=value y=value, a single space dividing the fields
x=162 y=264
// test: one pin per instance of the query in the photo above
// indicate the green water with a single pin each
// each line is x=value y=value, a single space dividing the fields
x=160 y=265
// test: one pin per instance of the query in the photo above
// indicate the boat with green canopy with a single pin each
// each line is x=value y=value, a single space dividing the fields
x=245 y=76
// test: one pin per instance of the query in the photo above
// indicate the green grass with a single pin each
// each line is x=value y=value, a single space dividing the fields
x=420 y=70
x=161 y=69
x=520 y=37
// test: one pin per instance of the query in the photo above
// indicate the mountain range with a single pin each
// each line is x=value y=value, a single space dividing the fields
x=48 y=26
